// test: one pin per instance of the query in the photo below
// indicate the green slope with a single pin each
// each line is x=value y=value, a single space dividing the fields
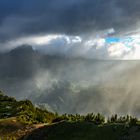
x=85 y=131
x=25 y=111
x=18 y=118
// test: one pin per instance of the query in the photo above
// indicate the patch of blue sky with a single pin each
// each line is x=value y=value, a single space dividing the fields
x=126 y=41
x=112 y=40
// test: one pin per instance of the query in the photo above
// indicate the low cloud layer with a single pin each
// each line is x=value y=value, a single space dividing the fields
x=104 y=45
x=72 y=85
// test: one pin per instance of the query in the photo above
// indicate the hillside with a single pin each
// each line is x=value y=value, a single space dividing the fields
x=85 y=131
x=12 y=128
x=18 y=118
x=23 y=121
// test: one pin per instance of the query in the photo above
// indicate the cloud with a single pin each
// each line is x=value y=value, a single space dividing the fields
x=33 y=17
x=66 y=38
x=52 y=26
x=104 y=45
x=74 y=85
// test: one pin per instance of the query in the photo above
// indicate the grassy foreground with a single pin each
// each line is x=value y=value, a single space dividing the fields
x=11 y=129
x=85 y=131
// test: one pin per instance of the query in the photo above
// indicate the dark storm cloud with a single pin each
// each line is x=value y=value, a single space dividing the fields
x=20 y=18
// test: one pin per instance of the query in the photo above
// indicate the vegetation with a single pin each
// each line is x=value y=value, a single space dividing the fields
x=85 y=131
x=23 y=110
x=20 y=118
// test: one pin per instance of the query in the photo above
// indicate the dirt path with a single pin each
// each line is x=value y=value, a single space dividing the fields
x=27 y=130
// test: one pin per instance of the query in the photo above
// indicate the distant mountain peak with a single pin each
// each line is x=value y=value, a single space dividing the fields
x=25 y=48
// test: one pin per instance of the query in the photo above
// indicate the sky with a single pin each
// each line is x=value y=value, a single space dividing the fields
x=56 y=52
x=99 y=29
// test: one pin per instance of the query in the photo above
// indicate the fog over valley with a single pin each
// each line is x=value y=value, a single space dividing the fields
x=71 y=85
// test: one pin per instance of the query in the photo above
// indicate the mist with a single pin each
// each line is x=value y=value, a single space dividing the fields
x=72 y=56
x=71 y=85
